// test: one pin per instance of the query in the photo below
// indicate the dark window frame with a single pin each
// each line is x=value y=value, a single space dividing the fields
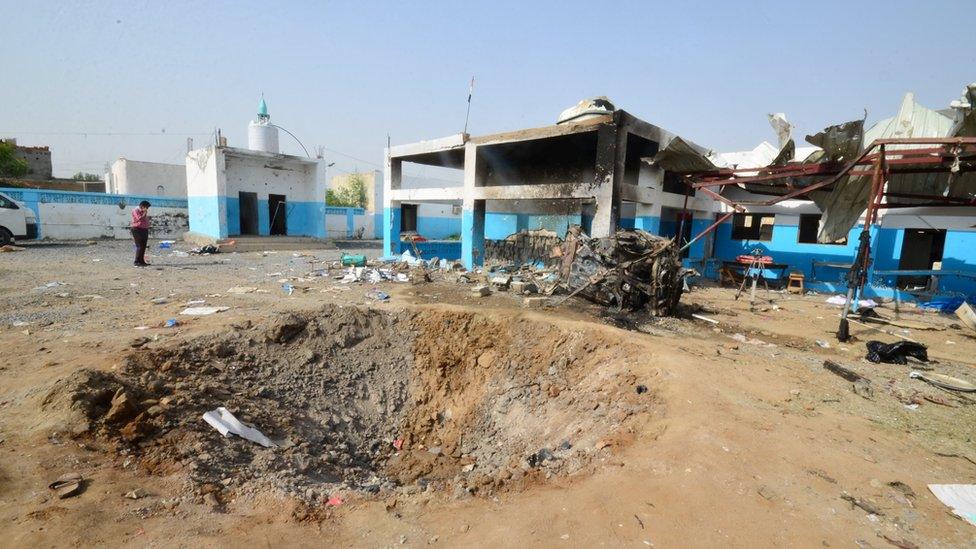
x=674 y=183
x=755 y=231
x=815 y=220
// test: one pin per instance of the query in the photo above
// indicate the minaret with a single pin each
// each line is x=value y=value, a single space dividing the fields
x=262 y=135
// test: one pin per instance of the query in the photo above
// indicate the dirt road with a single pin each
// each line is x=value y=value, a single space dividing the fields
x=665 y=433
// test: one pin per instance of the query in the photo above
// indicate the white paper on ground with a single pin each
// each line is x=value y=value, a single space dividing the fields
x=961 y=498
x=225 y=422
x=841 y=300
x=201 y=311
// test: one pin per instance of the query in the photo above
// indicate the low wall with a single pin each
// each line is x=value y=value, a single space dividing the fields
x=67 y=215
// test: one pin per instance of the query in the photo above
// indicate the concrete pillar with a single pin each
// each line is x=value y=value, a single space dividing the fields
x=608 y=174
x=473 y=233
x=392 y=176
x=391 y=228
x=472 y=211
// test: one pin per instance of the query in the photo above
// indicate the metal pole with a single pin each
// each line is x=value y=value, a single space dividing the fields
x=856 y=276
x=709 y=229
x=684 y=214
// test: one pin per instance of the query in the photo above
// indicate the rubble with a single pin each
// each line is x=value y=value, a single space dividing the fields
x=632 y=269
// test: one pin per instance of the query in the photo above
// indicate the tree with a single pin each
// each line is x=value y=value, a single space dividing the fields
x=351 y=195
x=10 y=165
x=82 y=176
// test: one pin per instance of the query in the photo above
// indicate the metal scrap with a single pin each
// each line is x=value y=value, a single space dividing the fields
x=632 y=269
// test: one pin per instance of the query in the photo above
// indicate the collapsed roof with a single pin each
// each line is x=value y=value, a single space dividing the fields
x=911 y=178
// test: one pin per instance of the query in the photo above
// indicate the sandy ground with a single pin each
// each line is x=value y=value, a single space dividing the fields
x=756 y=446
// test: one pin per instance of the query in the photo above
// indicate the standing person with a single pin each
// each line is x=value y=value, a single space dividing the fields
x=140 y=232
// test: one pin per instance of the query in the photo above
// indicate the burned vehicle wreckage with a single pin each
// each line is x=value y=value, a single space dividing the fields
x=631 y=270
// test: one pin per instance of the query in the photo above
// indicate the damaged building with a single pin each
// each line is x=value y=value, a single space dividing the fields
x=603 y=169
x=806 y=208
x=586 y=170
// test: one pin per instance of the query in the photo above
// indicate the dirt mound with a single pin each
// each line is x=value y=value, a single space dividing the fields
x=367 y=401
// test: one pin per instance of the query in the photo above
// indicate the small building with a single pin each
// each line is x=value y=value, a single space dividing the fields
x=38 y=160
x=254 y=191
x=146 y=178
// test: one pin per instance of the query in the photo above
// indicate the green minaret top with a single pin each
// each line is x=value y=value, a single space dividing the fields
x=263 y=108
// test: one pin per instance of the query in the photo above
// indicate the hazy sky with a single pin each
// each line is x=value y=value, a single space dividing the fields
x=343 y=75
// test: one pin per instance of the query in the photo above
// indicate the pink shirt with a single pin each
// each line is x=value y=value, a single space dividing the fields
x=140 y=219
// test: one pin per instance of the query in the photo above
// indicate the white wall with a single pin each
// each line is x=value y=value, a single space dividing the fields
x=146 y=178
x=79 y=221
x=264 y=175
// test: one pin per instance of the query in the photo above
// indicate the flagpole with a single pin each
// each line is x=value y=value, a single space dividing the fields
x=468 y=113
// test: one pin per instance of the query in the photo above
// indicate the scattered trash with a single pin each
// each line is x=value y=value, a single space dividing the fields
x=138 y=493
x=409 y=259
x=334 y=501
x=896 y=353
x=348 y=260
x=859 y=384
x=398 y=443
x=861 y=304
x=141 y=328
x=945 y=382
x=966 y=315
x=942 y=304
x=823 y=344
x=172 y=323
x=11 y=248
x=705 y=318
x=202 y=311
x=241 y=290
x=225 y=422
x=159 y=300
x=67 y=485
x=287 y=288
x=193 y=302
x=206 y=250
x=961 y=498
x=166 y=244
x=377 y=295
x=863 y=504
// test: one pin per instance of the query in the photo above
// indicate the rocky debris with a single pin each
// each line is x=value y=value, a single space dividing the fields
x=363 y=400
x=481 y=290
x=122 y=409
x=284 y=329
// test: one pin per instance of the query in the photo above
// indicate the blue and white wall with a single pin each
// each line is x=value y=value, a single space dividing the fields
x=67 y=215
x=435 y=220
x=215 y=176
x=959 y=252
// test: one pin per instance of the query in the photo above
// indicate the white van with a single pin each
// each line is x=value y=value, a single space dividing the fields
x=16 y=221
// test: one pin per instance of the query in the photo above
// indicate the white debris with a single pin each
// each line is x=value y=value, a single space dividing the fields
x=225 y=422
x=961 y=498
x=409 y=259
x=202 y=311
x=841 y=300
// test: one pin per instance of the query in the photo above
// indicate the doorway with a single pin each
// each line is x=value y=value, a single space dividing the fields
x=248 y=212
x=277 y=213
x=408 y=218
x=920 y=250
